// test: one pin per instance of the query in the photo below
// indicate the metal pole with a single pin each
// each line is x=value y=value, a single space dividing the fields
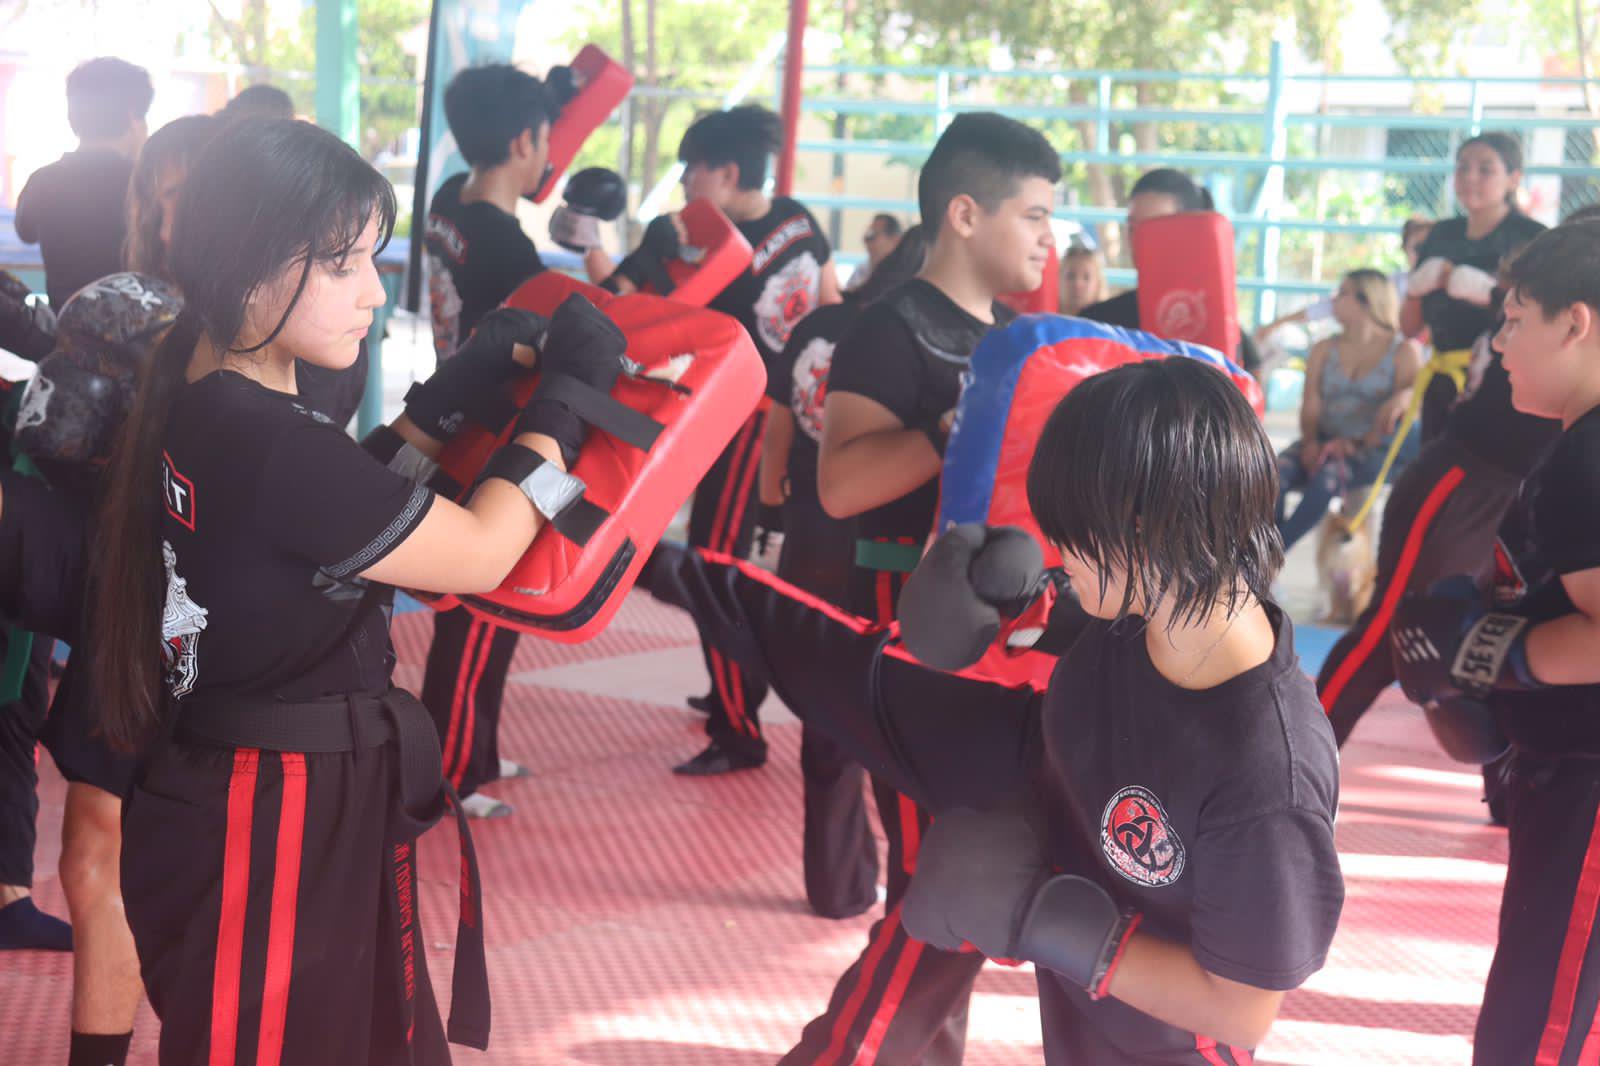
x=794 y=58
x=338 y=74
x=1271 y=196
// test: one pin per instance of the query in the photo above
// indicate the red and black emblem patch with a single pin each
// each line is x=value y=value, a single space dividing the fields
x=1139 y=840
x=179 y=492
x=1508 y=584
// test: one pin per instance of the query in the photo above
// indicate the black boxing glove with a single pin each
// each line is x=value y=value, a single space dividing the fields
x=647 y=264
x=972 y=577
x=582 y=344
x=72 y=410
x=561 y=87
x=1449 y=644
x=468 y=384
x=983 y=879
x=592 y=196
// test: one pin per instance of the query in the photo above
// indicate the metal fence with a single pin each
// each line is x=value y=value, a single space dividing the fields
x=1316 y=171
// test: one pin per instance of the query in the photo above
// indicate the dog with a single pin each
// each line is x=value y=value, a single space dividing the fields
x=1347 y=566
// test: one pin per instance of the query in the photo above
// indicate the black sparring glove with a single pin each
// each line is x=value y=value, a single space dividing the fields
x=592 y=196
x=972 y=577
x=469 y=383
x=983 y=879
x=1449 y=643
x=561 y=87
x=647 y=264
x=583 y=344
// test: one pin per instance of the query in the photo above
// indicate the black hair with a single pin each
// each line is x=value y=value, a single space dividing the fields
x=1587 y=213
x=106 y=96
x=490 y=106
x=983 y=155
x=1557 y=269
x=265 y=199
x=1189 y=195
x=173 y=146
x=1161 y=469
x=259 y=101
x=900 y=265
x=1504 y=145
x=888 y=223
x=749 y=136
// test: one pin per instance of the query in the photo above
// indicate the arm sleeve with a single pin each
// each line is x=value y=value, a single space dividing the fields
x=1568 y=519
x=1267 y=897
x=323 y=499
x=26 y=220
x=877 y=358
x=43 y=558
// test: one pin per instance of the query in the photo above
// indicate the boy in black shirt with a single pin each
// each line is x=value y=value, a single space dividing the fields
x=478 y=255
x=73 y=208
x=1520 y=665
x=725 y=156
x=1154 y=832
x=986 y=193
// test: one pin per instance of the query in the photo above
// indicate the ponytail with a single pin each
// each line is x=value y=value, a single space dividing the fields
x=125 y=625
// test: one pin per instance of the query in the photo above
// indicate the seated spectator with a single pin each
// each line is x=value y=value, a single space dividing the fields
x=882 y=236
x=1358 y=386
x=1083 y=279
x=1412 y=234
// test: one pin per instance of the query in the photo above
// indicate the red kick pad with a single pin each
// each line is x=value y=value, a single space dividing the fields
x=1188 y=288
x=605 y=84
x=701 y=378
x=713 y=254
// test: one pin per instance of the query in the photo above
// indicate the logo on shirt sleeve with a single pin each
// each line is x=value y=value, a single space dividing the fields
x=787 y=296
x=182 y=621
x=1138 y=839
x=811 y=386
x=179 y=492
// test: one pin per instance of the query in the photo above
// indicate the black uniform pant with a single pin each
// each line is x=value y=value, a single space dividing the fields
x=20 y=722
x=1440 y=520
x=275 y=912
x=462 y=687
x=840 y=856
x=722 y=519
x=1542 y=1001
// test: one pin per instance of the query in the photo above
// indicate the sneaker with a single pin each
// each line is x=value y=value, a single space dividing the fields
x=717 y=760
x=510 y=770
x=479 y=805
x=703 y=704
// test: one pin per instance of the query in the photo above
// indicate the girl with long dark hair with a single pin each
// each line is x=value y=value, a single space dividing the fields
x=241 y=597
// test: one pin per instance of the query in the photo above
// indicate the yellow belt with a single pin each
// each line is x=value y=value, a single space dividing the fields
x=1453 y=364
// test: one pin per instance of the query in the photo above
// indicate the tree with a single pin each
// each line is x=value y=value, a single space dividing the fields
x=389 y=91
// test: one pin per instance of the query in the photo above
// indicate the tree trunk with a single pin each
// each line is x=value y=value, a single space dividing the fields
x=653 y=110
x=1098 y=175
x=630 y=118
x=1583 y=55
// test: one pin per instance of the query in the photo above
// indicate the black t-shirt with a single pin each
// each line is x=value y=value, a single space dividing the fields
x=1209 y=812
x=74 y=210
x=908 y=352
x=1454 y=324
x=271 y=512
x=1553 y=530
x=799 y=381
x=1492 y=429
x=477 y=256
x=783 y=283
x=1123 y=310
x=336 y=394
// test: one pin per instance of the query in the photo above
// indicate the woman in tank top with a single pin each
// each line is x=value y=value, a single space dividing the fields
x=1358 y=385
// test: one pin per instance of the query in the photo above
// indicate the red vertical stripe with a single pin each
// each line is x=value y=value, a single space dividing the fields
x=1590 y=1054
x=225 y=977
x=747 y=482
x=452 y=738
x=719 y=540
x=885 y=597
x=872 y=1041
x=463 y=721
x=910 y=834
x=1580 y=923
x=887 y=932
x=1378 y=628
x=1208 y=1051
x=285 y=899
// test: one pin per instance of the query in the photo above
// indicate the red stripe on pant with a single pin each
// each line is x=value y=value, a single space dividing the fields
x=285 y=897
x=1208 y=1049
x=1379 y=626
x=743 y=464
x=225 y=979
x=464 y=704
x=869 y=968
x=1580 y=925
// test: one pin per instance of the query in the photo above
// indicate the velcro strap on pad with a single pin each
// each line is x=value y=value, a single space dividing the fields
x=602 y=411
x=554 y=493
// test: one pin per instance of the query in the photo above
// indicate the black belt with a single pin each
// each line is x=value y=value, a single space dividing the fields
x=356 y=722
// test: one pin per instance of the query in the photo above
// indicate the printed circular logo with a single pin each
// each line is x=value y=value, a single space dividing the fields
x=789 y=295
x=811 y=386
x=1139 y=840
x=1181 y=315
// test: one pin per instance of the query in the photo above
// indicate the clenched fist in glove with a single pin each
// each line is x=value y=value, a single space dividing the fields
x=973 y=576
